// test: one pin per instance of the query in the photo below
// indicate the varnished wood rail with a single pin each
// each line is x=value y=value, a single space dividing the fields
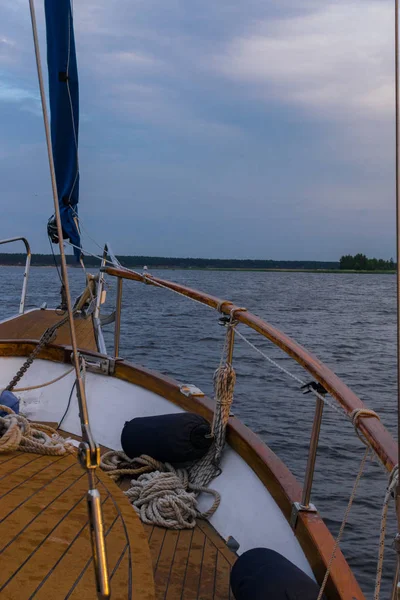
x=380 y=439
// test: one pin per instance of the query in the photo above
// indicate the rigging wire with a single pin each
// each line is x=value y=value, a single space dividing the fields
x=55 y=261
x=81 y=226
x=68 y=406
x=397 y=172
x=292 y=375
x=89 y=449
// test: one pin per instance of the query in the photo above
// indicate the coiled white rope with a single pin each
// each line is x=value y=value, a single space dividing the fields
x=161 y=495
x=17 y=433
x=168 y=499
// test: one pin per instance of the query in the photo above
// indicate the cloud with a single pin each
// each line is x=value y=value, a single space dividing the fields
x=269 y=119
x=336 y=58
x=12 y=93
x=6 y=42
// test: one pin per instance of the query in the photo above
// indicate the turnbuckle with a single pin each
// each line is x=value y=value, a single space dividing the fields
x=89 y=457
x=89 y=450
x=98 y=544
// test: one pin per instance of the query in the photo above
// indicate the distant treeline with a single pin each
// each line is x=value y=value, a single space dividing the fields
x=360 y=262
x=42 y=260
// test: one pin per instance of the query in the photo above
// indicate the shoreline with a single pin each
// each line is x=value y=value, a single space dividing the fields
x=223 y=269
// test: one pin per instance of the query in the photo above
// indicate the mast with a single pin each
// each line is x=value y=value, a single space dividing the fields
x=397 y=119
x=89 y=451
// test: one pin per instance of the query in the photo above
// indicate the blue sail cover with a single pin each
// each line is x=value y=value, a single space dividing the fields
x=64 y=108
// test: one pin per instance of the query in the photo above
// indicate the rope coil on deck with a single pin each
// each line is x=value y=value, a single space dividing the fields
x=166 y=497
x=17 y=433
x=161 y=495
x=117 y=464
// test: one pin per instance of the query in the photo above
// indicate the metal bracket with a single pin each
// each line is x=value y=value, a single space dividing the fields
x=89 y=459
x=232 y=544
x=314 y=385
x=103 y=366
x=107 y=319
x=190 y=390
x=396 y=543
x=298 y=507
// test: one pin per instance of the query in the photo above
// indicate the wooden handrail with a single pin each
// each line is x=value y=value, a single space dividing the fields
x=380 y=439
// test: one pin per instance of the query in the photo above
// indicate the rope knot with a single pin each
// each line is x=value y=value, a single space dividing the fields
x=394 y=477
x=362 y=413
x=234 y=310
x=221 y=305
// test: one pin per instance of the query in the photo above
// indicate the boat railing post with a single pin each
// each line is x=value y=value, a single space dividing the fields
x=230 y=323
x=100 y=286
x=26 y=271
x=395 y=580
x=99 y=299
x=305 y=505
x=231 y=342
x=118 y=308
x=312 y=455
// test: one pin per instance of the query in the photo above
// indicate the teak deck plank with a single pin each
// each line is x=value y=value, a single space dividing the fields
x=208 y=570
x=45 y=549
x=195 y=560
x=164 y=565
x=190 y=564
x=33 y=324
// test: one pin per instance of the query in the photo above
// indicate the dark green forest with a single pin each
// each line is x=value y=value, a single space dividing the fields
x=42 y=260
x=359 y=262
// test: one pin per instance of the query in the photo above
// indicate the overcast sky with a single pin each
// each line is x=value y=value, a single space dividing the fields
x=229 y=128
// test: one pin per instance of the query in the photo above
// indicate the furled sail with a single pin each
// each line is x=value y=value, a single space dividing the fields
x=64 y=108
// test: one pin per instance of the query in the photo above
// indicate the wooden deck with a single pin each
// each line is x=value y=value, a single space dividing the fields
x=32 y=325
x=45 y=549
x=45 y=546
x=190 y=564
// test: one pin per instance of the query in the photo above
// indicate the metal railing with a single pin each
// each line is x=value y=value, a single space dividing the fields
x=26 y=271
x=375 y=433
x=107 y=252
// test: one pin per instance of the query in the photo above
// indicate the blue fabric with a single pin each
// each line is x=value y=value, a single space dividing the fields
x=64 y=108
x=8 y=399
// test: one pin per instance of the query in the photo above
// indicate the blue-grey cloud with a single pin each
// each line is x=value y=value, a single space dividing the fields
x=230 y=128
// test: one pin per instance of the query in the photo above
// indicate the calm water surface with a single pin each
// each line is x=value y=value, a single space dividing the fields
x=348 y=321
